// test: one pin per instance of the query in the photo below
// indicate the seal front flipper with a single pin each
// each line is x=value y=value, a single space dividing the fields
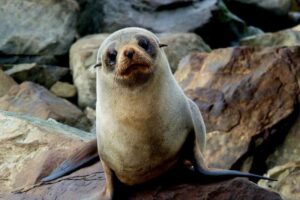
x=199 y=146
x=88 y=154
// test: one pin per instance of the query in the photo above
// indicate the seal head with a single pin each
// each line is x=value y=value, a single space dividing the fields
x=129 y=56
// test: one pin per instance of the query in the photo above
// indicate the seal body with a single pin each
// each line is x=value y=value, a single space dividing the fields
x=145 y=124
x=140 y=128
x=140 y=132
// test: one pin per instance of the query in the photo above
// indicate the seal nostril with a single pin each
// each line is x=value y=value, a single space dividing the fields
x=129 y=53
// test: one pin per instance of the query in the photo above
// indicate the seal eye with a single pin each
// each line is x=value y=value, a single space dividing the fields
x=144 y=43
x=112 y=55
x=147 y=45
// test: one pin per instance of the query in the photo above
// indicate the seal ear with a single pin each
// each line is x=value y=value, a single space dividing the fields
x=92 y=68
x=162 y=45
x=97 y=65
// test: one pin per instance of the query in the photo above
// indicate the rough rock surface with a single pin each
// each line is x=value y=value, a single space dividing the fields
x=243 y=94
x=6 y=83
x=288 y=37
x=84 y=52
x=165 y=16
x=31 y=147
x=45 y=28
x=288 y=176
x=205 y=17
x=88 y=182
x=45 y=75
x=36 y=101
x=63 y=89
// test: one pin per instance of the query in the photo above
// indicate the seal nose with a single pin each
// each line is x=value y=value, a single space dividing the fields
x=129 y=53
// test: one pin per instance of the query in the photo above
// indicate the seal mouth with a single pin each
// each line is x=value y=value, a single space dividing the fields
x=136 y=68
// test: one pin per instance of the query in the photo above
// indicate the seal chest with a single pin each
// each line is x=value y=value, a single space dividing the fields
x=140 y=140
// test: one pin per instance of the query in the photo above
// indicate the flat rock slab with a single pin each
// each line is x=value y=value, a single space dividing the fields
x=88 y=182
x=34 y=100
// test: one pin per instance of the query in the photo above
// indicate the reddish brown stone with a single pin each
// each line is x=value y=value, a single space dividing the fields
x=35 y=100
x=243 y=93
x=88 y=182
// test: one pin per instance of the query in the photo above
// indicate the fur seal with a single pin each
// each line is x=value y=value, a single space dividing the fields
x=145 y=124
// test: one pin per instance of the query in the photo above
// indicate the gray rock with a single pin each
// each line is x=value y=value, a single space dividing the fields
x=10 y=60
x=279 y=7
x=33 y=27
x=168 y=16
x=206 y=17
x=45 y=75
x=90 y=17
x=83 y=54
x=6 y=83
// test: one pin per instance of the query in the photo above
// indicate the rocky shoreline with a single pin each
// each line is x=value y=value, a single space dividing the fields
x=239 y=61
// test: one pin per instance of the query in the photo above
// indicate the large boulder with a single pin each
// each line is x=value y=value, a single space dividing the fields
x=6 y=83
x=164 y=16
x=158 y=16
x=31 y=148
x=37 y=101
x=247 y=97
x=288 y=37
x=84 y=52
x=33 y=28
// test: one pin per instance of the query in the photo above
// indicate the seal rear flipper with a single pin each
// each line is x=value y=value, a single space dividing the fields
x=203 y=170
x=88 y=154
x=228 y=174
x=199 y=145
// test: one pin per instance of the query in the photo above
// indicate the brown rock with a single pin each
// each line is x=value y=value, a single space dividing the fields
x=31 y=148
x=242 y=93
x=88 y=182
x=6 y=83
x=36 y=101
